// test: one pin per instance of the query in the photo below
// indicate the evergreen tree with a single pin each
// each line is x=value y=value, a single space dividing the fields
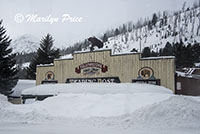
x=188 y=56
x=8 y=69
x=146 y=52
x=196 y=52
x=116 y=31
x=149 y=25
x=124 y=28
x=165 y=14
x=154 y=54
x=105 y=38
x=180 y=54
x=154 y=19
x=167 y=50
x=45 y=55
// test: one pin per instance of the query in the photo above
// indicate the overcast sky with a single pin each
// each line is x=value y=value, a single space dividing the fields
x=97 y=16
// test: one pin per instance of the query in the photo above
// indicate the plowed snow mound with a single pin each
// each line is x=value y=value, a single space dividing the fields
x=3 y=101
x=176 y=112
x=95 y=105
x=21 y=113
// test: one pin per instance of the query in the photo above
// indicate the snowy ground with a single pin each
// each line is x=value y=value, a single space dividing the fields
x=102 y=109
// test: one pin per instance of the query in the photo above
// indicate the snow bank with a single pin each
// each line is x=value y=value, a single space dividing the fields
x=175 y=112
x=21 y=113
x=85 y=100
x=97 y=105
x=95 y=88
x=126 y=105
x=17 y=113
x=3 y=101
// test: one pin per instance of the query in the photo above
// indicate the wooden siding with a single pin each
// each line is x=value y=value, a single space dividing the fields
x=124 y=66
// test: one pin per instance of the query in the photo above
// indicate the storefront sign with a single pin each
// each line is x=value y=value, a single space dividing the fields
x=49 y=82
x=94 y=80
x=91 y=68
x=154 y=82
x=49 y=76
x=146 y=73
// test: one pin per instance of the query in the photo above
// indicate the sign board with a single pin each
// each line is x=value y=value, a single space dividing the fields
x=94 y=80
x=49 y=82
x=49 y=76
x=146 y=73
x=149 y=81
x=91 y=68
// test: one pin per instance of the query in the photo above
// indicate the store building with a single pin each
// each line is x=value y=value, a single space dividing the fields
x=102 y=66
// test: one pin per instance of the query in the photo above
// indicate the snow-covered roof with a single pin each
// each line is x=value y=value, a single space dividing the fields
x=190 y=71
x=188 y=74
x=124 y=53
x=22 y=85
x=197 y=64
x=45 y=65
x=96 y=88
x=95 y=50
x=68 y=56
x=160 y=57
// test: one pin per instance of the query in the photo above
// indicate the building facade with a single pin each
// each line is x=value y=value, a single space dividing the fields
x=102 y=66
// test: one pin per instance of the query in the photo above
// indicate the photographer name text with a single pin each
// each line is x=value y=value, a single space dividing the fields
x=35 y=18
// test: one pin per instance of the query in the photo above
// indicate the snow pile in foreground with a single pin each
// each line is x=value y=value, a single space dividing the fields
x=3 y=101
x=175 y=112
x=95 y=105
x=134 y=106
x=21 y=113
x=89 y=100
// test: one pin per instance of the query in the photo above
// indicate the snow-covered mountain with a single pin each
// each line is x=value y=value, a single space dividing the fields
x=175 y=27
x=25 y=44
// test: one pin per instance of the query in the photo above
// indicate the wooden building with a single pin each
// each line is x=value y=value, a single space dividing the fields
x=102 y=66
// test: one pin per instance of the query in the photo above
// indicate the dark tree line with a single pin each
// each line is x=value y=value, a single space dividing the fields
x=186 y=55
x=8 y=68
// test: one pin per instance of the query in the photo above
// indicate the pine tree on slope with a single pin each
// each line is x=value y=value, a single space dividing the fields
x=146 y=52
x=45 y=55
x=154 y=19
x=8 y=69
